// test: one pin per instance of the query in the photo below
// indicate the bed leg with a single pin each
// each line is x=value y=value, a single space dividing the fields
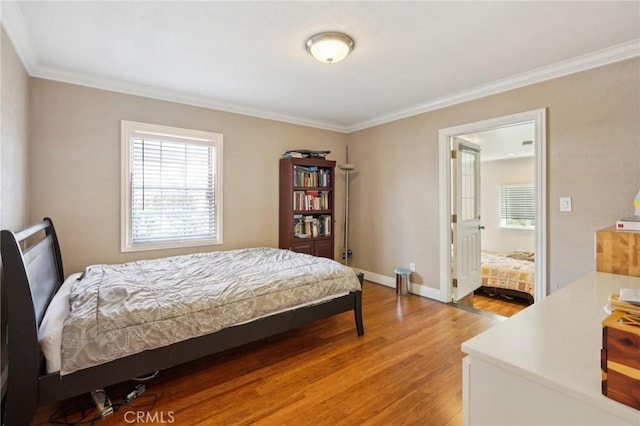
x=21 y=400
x=17 y=412
x=357 y=309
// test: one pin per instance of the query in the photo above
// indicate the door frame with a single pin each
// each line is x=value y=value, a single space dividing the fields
x=538 y=117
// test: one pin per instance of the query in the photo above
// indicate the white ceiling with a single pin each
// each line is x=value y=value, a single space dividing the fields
x=504 y=143
x=249 y=57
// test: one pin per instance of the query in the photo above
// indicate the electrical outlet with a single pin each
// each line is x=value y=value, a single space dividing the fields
x=412 y=267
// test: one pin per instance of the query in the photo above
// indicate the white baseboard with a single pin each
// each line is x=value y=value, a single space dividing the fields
x=419 y=289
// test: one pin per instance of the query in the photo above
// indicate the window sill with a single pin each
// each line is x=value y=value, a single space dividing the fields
x=519 y=228
x=128 y=247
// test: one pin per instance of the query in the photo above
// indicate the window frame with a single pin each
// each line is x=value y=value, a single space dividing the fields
x=128 y=130
x=503 y=224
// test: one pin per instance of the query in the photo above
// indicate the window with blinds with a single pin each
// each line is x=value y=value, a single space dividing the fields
x=173 y=187
x=517 y=206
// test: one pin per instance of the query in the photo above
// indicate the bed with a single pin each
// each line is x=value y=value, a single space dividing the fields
x=511 y=275
x=33 y=278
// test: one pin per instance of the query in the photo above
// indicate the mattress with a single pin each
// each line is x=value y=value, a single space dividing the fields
x=120 y=310
x=502 y=271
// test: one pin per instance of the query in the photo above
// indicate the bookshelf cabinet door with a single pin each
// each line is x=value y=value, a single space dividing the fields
x=302 y=247
x=323 y=248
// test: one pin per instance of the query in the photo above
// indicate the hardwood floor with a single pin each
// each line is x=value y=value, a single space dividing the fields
x=405 y=370
x=498 y=305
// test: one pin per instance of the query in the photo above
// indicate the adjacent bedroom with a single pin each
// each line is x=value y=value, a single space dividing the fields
x=508 y=217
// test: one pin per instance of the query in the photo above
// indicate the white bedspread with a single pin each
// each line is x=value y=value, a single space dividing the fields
x=119 y=310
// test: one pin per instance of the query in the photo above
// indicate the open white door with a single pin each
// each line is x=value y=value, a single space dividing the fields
x=465 y=219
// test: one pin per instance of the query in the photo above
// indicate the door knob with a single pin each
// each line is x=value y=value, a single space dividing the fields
x=481 y=227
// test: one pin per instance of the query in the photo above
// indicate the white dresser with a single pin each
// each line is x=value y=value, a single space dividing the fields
x=542 y=366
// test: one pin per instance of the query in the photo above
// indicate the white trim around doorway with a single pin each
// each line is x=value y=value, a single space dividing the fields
x=538 y=117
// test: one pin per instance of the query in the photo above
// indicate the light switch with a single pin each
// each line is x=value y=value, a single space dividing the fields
x=565 y=204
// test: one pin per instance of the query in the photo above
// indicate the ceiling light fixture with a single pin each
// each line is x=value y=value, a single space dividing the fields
x=329 y=47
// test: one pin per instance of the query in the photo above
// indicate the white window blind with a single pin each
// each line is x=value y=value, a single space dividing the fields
x=173 y=190
x=517 y=206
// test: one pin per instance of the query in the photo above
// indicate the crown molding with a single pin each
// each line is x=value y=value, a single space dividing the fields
x=15 y=26
x=142 y=90
x=596 y=59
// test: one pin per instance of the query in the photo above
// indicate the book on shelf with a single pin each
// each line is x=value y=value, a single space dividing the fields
x=325 y=225
x=311 y=176
x=310 y=226
x=293 y=154
x=310 y=200
x=628 y=224
x=631 y=295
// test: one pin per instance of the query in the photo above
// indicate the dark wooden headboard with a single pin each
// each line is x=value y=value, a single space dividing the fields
x=35 y=271
x=32 y=268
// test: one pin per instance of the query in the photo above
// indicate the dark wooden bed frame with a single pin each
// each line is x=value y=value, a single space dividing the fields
x=32 y=276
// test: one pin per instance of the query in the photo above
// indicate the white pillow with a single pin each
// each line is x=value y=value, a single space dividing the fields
x=50 y=331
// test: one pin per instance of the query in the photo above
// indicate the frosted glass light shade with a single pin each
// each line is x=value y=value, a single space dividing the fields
x=347 y=166
x=329 y=47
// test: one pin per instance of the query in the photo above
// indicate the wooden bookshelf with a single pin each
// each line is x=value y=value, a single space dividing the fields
x=306 y=206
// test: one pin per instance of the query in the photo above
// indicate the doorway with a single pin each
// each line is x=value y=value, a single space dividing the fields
x=537 y=118
x=507 y=212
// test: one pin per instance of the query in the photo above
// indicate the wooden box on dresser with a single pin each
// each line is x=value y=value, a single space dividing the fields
x=620 y=358
x=618 y=252
x=306 y=206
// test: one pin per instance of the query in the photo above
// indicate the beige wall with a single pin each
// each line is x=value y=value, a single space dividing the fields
x=15 y=131
x=495 y=173
x=75 y=168
x=593 y=156
x=14 y=106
